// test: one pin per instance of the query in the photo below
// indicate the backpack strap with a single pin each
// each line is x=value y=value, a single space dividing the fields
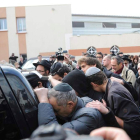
x=127 y=73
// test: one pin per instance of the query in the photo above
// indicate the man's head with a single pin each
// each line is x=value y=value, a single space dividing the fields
x=120 y=54
x=43 y=67
x=87 y=62
x=72 y=57
x=63 y=99
x=126 y=60
x=96 y=77
x=139 y=69
x=13 y=54
x=116 y=63
x=39 y=58
x=99 y=56
x=59 y=71
x=21 y=59
x=36 y=79
x=107 y=60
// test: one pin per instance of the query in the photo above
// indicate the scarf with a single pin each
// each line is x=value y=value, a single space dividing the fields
x=120 y=70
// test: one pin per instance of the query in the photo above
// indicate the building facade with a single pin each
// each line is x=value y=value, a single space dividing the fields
x=34 y=30
x=102 y=32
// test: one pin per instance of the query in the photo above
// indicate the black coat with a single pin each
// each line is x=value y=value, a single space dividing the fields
x=83 y=120
x=122 y=104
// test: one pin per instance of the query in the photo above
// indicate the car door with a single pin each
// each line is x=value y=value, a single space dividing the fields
x=24 y=96
x=15 y=125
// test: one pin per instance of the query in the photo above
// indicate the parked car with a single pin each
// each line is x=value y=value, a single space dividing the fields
x=28 y=65
x=18 y=105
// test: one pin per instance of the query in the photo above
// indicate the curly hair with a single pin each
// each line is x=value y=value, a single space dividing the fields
x=90 y=61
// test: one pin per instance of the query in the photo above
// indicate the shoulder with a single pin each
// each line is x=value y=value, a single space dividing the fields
x=86 y=100
x=88 y=112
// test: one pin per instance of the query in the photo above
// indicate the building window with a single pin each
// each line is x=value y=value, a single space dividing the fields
x=135 y=25
x=109 y=25
x=21 y=25
x=78 y=24
x=3 y=24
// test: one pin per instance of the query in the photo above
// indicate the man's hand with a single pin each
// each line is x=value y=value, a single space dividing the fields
x=110 y=133
x=120 y=121
x=117 y=80
x=66 y=59
x=42 y=95
x=99 y=106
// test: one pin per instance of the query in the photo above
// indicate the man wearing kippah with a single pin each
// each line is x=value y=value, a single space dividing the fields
x=62 y=101
x=118 y=107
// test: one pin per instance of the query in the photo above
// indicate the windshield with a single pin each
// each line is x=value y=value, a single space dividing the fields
x=29 y=64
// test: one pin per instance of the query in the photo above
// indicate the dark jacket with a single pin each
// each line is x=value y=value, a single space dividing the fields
x=122 y=104
x=83 y=120
x=127 y=85
x=137 y=87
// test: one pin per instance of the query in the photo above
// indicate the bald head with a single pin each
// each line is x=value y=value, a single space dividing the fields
x=107 y=61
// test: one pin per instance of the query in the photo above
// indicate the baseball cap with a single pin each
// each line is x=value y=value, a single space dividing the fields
x=92 y=71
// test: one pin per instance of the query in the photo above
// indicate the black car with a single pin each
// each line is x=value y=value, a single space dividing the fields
x=18 y=105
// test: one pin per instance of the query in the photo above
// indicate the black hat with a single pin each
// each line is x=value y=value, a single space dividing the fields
x=34 y=77
x=44 y=63
x=78 y=81
x=125 y=57
x=55 y=68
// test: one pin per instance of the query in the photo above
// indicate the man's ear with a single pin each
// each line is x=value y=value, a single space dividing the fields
x=47 y=72
x=40 y=84
x=70 y=104
x=93 y=84
x=65 y=74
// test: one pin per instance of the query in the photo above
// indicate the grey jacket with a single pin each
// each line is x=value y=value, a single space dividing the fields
x=83 y=120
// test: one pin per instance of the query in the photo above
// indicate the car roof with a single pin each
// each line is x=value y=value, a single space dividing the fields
x=37 y=58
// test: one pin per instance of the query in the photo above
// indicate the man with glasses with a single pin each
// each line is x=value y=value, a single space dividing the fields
x=99 y=56
x=43 y=68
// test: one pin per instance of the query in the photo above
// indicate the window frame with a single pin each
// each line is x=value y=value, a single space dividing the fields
x=4 y=24
x=103 y=25
x=17 y=22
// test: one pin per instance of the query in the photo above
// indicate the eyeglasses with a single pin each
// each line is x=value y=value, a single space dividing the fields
x=125 y=63
x=40 y=71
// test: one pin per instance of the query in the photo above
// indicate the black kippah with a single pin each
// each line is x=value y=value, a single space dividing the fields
x=63 y=87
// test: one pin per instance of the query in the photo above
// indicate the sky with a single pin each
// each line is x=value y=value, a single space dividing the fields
x=94 y=7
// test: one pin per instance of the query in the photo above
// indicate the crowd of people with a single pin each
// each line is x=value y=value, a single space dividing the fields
x=90 y=93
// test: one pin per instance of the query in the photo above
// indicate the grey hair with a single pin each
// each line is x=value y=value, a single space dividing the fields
x=108 y=56
x=62 y=97
x=118 y=59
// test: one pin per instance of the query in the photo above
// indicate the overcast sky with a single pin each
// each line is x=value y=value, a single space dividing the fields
x=100 y=7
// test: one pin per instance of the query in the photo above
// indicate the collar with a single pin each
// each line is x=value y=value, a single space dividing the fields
x=120 y=70
x=79 y=105
x=106 y=91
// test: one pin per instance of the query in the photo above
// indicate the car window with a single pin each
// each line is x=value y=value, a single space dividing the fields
x=8 y=127
x=24 y=97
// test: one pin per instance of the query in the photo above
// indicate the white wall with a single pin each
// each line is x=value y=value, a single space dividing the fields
x=47 y=27
x=105 y=41
x=12 y=36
